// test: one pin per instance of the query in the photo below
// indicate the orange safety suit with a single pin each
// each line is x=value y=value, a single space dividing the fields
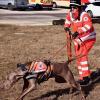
x=84 y=41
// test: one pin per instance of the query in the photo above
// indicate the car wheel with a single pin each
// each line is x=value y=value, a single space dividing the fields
x=49 y=8
x=38 y=7
x=54 y=5
x=10 y=6
x=90 y=13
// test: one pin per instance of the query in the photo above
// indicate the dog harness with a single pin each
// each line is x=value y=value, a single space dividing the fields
x=39 y=66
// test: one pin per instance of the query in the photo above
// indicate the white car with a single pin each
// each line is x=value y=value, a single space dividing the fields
x=93 y=9
x=61 y=3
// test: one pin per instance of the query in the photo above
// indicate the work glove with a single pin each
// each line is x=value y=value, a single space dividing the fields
x=75 y=35
x=66 y=29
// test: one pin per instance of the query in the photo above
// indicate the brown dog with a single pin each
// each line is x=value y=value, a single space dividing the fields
x=59 y=71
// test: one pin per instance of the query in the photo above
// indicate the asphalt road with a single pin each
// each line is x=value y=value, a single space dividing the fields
x=44 y=17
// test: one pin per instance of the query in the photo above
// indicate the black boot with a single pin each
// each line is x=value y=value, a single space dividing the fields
x=95 y=75
x=85 y=81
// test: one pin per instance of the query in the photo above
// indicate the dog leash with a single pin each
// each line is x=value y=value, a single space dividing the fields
x=54 y=54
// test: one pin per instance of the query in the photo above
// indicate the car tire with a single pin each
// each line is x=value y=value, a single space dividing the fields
x=49 y=8
x=90 y=13
x=38 y=7
x=10 y=6
x=54 y=5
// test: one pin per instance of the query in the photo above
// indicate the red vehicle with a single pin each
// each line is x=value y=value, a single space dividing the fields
x=88 y=1
x=39 y=4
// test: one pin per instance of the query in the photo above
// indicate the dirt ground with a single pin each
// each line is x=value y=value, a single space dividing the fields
x=25 y=43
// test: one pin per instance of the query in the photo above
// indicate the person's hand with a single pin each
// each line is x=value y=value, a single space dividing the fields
x=75 y=35
x=66 y=29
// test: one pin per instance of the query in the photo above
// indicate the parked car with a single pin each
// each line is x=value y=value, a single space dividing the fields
x=61 y=3
x=14 y=4
x=39 y=4
x=93 y=9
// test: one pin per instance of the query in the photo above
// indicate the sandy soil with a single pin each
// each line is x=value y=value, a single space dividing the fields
x=25 y=43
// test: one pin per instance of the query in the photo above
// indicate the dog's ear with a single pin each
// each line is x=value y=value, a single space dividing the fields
x=18 y=65
x=47 y=62
x=22 y=66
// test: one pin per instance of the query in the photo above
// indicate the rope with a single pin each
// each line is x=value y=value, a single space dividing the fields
x=54 y=54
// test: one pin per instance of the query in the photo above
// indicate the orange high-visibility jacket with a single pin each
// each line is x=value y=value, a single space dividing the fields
x=83 y=26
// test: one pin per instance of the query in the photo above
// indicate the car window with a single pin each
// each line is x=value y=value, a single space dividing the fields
x=96 y=3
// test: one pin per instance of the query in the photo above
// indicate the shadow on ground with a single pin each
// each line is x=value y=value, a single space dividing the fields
x=55 y=93
x=88 y=89
x=60 y=92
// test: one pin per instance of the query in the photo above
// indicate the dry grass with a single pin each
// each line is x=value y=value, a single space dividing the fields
x=25 y=43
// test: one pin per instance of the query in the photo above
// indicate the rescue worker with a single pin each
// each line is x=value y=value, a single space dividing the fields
x=83 y=36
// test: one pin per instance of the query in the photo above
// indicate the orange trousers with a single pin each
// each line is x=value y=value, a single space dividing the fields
x=82 y=62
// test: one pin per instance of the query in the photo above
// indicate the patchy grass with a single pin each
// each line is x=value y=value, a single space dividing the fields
x=25 y=43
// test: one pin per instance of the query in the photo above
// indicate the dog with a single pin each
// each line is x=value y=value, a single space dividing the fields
x=59 y=71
